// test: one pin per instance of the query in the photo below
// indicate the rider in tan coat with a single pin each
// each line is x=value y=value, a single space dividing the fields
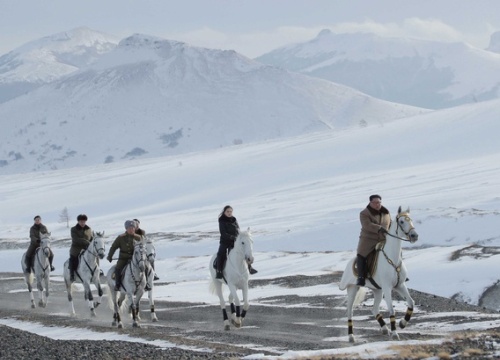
x=375 y=221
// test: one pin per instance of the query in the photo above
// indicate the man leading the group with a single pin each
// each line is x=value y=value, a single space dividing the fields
x=375 y=220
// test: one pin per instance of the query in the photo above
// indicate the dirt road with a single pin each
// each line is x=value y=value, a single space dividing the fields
x=273 y=325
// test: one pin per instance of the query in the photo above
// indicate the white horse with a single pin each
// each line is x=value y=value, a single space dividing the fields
x=87 y=273
x=235 y=276
x=150 y=274
x=133 y=283
x=42 y=271
x=390 y=273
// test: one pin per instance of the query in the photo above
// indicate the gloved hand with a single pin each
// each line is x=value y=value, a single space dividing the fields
x=383 y=230
x=109 y=258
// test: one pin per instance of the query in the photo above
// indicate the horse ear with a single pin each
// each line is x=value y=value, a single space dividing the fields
x=399 y=210
x=248 y=229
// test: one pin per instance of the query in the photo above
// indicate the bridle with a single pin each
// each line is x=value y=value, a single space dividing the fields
x=406 y=216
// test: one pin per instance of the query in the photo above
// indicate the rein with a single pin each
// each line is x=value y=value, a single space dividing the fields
x=397 y=268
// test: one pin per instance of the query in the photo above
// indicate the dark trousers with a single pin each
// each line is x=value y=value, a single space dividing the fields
x=118 y=277
x=221 y=257
x=73 y=264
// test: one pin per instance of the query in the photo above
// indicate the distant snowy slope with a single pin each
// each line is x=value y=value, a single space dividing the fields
x=49 y=58
x=408 y=71
x=151 y=97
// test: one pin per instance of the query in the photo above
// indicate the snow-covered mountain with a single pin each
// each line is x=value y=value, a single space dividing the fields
x=50 y=58
x=408 y=71
x=151 y=97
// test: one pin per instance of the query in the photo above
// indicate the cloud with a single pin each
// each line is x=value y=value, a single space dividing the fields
x=253 y=44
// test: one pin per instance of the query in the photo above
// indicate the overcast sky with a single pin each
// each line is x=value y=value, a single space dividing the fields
x=251 y=27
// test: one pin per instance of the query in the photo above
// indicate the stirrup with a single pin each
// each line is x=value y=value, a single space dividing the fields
x=218 y=275
x=72 y=277
x=361 y=281
x=52 y=268
x=252 y=271
x=156 y=278
x=117 y=287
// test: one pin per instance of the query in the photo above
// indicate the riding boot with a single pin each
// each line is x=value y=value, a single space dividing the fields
x=28 y=262
x=156 y=275
x=118 y=279
x=71 y=266
x=220 y=266
x=51 y=259
x=361 y=264
x=251 y=270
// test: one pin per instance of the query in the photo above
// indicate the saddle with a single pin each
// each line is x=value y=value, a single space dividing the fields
x=371 y=262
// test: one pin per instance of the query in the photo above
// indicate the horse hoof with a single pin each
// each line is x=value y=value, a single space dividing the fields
x=395 y=336
x=385 y=330
x=154 y=319
x=227 y=327
x=402 y=323
x=92 y=313
x=120 y=326
x=351 y=339
x=96 y=304
x=113 y=324
x=136 y=325
x=33 y=306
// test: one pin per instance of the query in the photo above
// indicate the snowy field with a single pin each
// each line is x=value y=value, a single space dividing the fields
x=301 y=198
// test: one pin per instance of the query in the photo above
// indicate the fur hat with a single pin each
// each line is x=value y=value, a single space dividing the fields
x=81 y=217
x=129 y=223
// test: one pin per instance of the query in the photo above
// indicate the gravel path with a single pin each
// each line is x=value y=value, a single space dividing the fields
x=273 y=326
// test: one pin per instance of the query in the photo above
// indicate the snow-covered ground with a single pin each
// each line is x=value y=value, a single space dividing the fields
x=300 y=196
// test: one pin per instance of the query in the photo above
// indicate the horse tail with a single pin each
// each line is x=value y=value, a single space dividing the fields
x=211 y=287
x=360 y=296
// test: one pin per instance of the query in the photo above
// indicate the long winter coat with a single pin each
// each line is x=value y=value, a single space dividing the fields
x=124 y=242
x=371 y=221
x=80 y=239
x=229 y=230
x=35 y=231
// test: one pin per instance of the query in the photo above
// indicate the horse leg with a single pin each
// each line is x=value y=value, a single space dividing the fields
x=402 y=290
x=70 y=294
x=222 y=302
x=133 y=306
x=235 y=310
x=89 y=297
x=39 y=285
x=152 y=305
x=377 y=299
x=352 y=290
x=246 y=305
x=47 y=280
x=388 y=300
x=118 y=304
x=97 y=284
x=29 y=280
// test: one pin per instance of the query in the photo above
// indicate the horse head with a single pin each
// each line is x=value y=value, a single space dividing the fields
x=150 y=251
x=139 y=256
x=98 y=244
x=245 y=242
x=45 y=243
x=405 y=224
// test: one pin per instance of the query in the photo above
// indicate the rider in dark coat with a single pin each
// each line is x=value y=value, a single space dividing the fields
x=35 y=231
x=81 y=236
x=229 y=230
x=125 y=242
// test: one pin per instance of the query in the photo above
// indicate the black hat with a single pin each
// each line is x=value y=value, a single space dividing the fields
x=375 y=196
x=81 y=217
x=37 y=217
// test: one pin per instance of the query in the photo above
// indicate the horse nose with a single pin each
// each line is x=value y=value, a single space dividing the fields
x=414 y=236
